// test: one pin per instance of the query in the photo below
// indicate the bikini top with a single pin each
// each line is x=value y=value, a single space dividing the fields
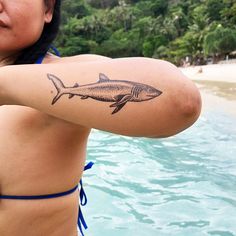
x=54 y=49
x=83 y=198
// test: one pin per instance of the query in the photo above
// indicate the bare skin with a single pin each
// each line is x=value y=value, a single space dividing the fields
x=40 y=154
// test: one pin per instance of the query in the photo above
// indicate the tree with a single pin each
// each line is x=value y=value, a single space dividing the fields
x=103 y=3
x=220 y=42
x=170 y=30
x=214 y=8
x=228 y=14
x=71 y=8
x=159 y=7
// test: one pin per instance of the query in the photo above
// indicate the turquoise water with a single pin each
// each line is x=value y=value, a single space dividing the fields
x=181 y=186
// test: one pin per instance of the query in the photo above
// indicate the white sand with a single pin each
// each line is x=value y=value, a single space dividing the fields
x=216 y=72
x=217 y=84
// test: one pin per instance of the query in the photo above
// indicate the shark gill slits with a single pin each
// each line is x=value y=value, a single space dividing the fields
x=132 y=90
x=137 y=91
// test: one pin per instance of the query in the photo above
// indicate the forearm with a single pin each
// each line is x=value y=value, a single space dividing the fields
x=174 y=109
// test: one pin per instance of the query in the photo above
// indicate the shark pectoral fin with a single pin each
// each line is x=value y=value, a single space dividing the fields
x=84 y=97
x=120 y=99
x=119 y=107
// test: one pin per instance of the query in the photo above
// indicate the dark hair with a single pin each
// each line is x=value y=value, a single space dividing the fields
x=40 y=48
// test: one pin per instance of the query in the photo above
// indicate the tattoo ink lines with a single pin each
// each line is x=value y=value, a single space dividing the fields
x=117 y=91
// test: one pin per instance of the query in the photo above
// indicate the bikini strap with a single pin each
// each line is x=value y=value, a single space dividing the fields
x=40 y=60
x=39 y=197
x=83 y=201
x=54 y=49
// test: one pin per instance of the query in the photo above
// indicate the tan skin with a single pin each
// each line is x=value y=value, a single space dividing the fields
x=43 y=146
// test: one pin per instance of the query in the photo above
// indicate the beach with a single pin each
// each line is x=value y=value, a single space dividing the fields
x=217 y=84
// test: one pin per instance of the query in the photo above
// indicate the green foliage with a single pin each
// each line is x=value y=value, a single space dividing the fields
x=214 y=8
x=159 y=7
x=103 y=3
x=170 y=30
x=221 y=41
x=121 y=43
x=73 y=8
x=228 y=14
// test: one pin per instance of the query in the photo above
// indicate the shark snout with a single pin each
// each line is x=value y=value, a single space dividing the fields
x=154 y=94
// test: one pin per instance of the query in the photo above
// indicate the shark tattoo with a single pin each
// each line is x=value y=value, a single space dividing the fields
x=119 y=92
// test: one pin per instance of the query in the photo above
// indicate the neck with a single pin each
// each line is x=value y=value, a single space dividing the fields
x=7 y=59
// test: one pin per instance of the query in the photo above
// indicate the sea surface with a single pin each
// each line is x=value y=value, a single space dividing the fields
x=182 y=186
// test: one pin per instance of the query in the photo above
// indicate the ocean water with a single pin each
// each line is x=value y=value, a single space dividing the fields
x=181 y=186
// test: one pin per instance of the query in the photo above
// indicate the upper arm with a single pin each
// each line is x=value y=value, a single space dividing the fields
x=82 y=58
x=128 y=96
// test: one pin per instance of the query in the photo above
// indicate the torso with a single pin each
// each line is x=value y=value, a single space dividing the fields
x=39 y=155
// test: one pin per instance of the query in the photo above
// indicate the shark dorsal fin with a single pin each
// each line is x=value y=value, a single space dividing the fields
x=103 y=78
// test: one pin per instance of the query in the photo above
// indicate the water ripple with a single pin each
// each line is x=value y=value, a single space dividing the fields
x=185 y=224
x=147 y=187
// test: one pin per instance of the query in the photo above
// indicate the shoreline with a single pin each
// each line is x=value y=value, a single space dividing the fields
x=217 y=85
x=219 y=79
x=214 y=72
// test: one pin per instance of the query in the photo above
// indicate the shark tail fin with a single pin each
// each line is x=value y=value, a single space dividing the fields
x=58 y=85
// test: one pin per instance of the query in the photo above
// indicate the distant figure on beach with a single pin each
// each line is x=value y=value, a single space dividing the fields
x=48 y=106
x=200 y=70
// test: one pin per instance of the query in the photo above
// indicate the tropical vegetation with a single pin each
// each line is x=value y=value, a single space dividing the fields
x=179 y=31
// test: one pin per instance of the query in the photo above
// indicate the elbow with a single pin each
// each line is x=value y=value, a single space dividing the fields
x=187 y=111
x=191 y=106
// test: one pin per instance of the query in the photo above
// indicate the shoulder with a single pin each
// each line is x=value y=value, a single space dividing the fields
x=78 y=58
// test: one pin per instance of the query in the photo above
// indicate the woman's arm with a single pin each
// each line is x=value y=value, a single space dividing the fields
x=128 y=96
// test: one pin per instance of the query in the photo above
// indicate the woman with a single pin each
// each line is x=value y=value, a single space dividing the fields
x=48 y=110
